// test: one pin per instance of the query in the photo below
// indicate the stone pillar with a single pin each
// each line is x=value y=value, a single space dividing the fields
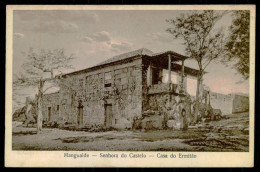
x=182 y=75
x=185 y=83
x=178 y=75
x=169 y=75
x=149 y=76
x=182 y=71
x=169 y=68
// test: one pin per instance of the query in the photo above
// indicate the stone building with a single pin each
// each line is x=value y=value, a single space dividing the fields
x=138 y=89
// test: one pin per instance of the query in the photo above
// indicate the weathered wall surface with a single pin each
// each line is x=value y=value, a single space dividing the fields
x=50 y=101
x=171 y=110
x=240 y=104
x=222 y=102
x=230 y=103
x=124 y=95
x=167 y=112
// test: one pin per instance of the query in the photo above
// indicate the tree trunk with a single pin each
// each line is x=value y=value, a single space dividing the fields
x=39 y=119
x=199 y=82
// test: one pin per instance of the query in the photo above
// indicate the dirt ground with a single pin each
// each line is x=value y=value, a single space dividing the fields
x=231 y=134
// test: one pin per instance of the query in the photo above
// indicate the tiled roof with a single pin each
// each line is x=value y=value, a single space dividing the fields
x=142 y=51
x=169 y=52
x=139 y=52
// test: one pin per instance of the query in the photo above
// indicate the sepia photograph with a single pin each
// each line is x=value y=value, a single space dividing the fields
x=131 y=80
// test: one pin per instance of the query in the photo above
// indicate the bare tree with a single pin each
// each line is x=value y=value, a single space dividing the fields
x=203 y=43
x=39 y=63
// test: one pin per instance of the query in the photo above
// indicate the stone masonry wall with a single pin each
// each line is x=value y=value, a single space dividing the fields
x=168 y=111
x=222 y=102
x=229 y=103
x=240 y=104
x=124 y=94
x=51 y=101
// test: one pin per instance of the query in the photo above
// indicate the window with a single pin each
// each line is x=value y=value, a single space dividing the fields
x=49 y=113
x=156 y=78
x=108 y=85
x=58 y=107
x=108 y=76
x=108 y=79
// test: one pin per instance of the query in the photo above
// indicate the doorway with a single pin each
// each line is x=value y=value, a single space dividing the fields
x=156 y=76
x=80 y=115
x=108 y=115
x=49 y=113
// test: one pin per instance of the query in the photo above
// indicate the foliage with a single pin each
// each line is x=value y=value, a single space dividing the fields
x=41 y=62
x=202 y=40
x=237 y=46
x=38 y=64
x=203 y=43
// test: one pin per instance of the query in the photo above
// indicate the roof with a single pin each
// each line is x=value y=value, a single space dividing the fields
x=188 y=70
x=132 y=54
x=142 y=51
x=172 y=53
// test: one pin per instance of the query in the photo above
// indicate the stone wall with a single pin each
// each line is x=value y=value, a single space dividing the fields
x=51 y=102
x=171 y=110
x=162 y=113
x=240 y=104
x=229 y=103
x=124 y=94
x=222 y=102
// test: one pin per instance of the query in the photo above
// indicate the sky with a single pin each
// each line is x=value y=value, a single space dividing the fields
x=94 y=36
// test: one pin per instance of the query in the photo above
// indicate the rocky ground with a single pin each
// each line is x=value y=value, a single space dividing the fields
x=231 y=134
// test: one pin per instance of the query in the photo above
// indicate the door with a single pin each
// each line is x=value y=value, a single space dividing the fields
x=49 y=113
x=108 y=115
x=155 y=75
x=80 y=115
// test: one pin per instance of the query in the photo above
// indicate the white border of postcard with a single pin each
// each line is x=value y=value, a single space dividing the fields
x=57 y=159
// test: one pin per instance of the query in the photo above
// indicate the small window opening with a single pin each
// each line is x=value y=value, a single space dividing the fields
x=108 y=79
x=49 y=113
x=108 y=85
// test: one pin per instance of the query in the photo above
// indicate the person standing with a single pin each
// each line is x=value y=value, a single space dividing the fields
x=184 y=122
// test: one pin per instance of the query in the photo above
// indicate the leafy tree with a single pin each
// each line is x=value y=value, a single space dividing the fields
x=40 y=63
x=237 y=46
x=202 y=41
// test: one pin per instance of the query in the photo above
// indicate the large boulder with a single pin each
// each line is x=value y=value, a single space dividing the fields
x=27 y=114
x=174 y=124
x=19 y=114
x=150 y=120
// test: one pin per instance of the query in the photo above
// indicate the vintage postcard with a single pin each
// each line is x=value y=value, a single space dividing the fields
x=130 y=86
